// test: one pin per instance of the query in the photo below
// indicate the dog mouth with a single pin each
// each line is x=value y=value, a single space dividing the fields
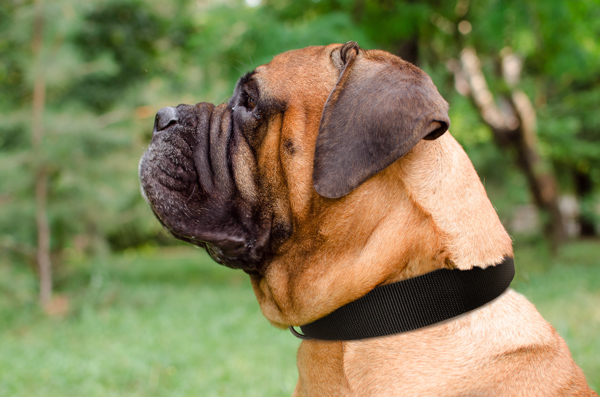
x=188 y=180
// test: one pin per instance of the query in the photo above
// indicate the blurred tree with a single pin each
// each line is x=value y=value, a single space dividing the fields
x=44 y=264
x=514 y=127
x=567 y=68
x=524 y=50
x=127 y=33
x=109 y=66
x=76 y=179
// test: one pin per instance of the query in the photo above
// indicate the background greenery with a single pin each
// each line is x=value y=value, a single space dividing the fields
x=135 y=313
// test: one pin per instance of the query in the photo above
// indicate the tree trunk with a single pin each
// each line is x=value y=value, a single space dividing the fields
x=514 y=128
x=409 y=50
x=41 y=185
x=584 y=188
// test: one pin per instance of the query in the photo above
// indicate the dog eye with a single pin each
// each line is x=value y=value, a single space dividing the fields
x=250 y=102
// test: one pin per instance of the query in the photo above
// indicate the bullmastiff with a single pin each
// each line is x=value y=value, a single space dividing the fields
x=327 y=174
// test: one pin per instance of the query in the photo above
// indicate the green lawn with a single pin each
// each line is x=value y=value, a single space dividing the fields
x=159 y=323
x=169 y=322
x=565 y=288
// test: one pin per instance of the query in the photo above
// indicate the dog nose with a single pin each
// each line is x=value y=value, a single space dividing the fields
x=164 y=118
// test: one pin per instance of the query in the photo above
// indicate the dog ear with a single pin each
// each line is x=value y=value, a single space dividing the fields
x=380 y=108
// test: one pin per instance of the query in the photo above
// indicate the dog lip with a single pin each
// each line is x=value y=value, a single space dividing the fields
x=142 y=190
x=232 y=260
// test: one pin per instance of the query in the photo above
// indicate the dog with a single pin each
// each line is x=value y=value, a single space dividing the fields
x=328 y=173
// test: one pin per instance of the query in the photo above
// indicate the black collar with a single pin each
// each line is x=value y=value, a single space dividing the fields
x=413 y=303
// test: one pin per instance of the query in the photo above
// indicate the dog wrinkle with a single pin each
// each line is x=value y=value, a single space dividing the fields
x=327 y=379
x=244 y=171
x=204 y=169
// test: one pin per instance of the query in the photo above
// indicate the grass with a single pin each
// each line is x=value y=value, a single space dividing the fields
x=158 y=323
x=565 y=288
x=170 y=322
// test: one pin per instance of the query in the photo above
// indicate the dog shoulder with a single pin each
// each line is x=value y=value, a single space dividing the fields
x=505 y=348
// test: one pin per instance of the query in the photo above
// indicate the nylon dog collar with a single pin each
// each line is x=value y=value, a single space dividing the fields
x=413 y=303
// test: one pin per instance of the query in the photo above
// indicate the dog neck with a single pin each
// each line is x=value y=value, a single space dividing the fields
x=427 y=211
x=441 y=179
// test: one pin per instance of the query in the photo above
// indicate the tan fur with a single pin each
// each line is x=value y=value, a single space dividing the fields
x=479 y=354
x=428 y=210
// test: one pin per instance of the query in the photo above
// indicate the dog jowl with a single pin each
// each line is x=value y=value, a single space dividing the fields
x=188 y=177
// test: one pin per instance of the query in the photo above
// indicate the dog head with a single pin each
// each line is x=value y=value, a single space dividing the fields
x=319 y=158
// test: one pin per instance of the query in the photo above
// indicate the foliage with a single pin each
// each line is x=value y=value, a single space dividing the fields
x=90 y=144
x=110 y=65
x=127 y=33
